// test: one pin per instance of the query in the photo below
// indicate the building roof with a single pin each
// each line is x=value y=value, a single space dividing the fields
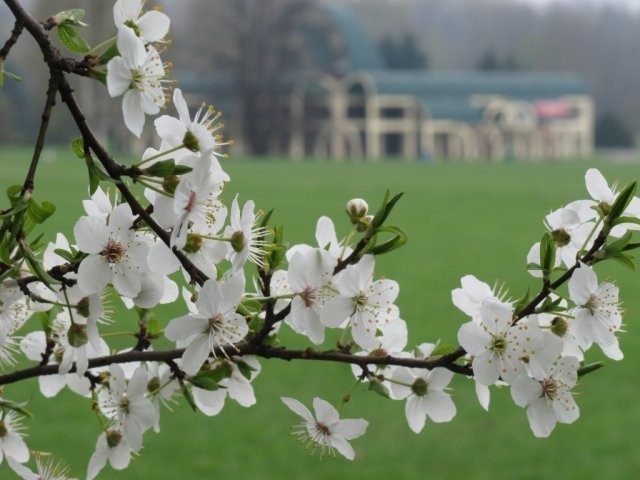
x=448 y=94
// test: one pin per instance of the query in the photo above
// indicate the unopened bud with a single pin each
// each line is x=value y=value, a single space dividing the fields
x=356 y=208
x=363 y=223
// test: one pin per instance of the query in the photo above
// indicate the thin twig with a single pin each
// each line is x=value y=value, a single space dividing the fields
x=52 y=90
x=11 y=41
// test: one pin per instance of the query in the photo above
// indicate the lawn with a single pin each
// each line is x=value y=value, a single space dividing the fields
x=461 y=219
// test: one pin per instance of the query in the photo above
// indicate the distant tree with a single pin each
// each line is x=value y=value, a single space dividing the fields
x=403 y=53
x=264 y=45
x=491 y=62
x=612 y=132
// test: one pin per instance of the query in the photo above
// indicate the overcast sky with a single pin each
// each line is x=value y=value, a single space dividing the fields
x=633 y=4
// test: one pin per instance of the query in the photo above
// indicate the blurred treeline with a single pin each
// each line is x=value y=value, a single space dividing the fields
x=262 y=44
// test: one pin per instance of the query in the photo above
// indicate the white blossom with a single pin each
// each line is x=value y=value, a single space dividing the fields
x=151 y=26
x=326 y=432
x=215 y=323
x=597 y=313
x=137 y=74
x=364 y=303
x=547 y=396
x=496 y=345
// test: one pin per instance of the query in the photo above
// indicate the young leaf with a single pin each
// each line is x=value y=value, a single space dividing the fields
x=245 y=369
x=187 y=395
x=162 y=169
x=626 y=260
x=204 y=382
x=70 y=17
x=621 y=202
x=72 y=39
x=443 y=349
x=77 y=147
x=592 y=367
x=396 y=242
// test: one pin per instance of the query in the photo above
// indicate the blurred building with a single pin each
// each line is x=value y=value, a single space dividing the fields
x=362 y=110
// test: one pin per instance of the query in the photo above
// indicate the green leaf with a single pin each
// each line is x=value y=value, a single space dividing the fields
x=72 y=39
x=187 y=395
x=384 y=211
x=245 y=369
x=396 y=242
x=36 y=267
x=621 y=203
x=265 y=219
x=631 y=246
x=162 y=169
x=376 y=386
x=547 y=254
x=204 y=382
x=626 y=260
x=522 y=301
x=108 y=54
x=617 y=245
x=44 y=320
x=620 y=220
x=592 y=367
x=154 y=329
x=70 y=17
x=181 y=169
x=443 y=349
x=77 y=147
x=12 y=76
x=68 y=256
x=14 y=194
x=39 y=212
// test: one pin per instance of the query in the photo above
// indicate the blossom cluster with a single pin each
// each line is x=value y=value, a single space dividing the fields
x=187 y=243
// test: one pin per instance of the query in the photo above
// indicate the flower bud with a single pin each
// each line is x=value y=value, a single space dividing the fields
x=363 y=223
x=356 y=208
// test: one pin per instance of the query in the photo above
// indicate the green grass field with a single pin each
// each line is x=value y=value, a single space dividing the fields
x=460 y=218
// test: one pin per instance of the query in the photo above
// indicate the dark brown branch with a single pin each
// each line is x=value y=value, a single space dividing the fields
x=52 y=90
x=248 y=349
x=11 y=41
x=57 y=63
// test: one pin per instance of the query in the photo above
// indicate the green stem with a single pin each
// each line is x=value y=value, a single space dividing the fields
x=107 y=43
x=158 y=155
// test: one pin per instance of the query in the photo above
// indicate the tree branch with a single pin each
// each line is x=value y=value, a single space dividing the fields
x=263 y=351
x=52 y=90
x=11 y=41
